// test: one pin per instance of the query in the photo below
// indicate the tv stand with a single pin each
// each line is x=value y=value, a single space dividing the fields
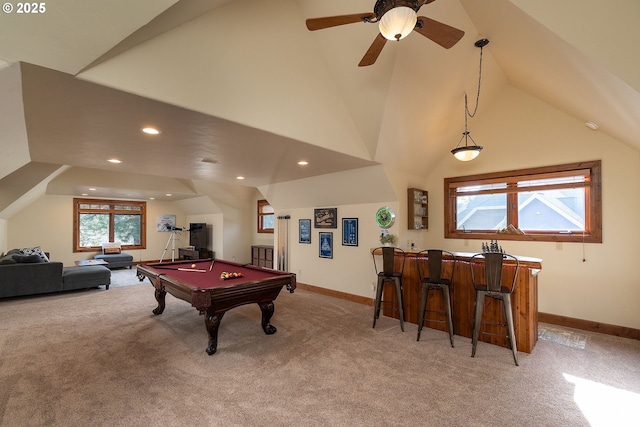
x=186 y=253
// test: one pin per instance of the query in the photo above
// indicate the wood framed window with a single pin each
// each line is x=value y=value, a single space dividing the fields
x=561 y=203
x=266 y=217
x=96 y=221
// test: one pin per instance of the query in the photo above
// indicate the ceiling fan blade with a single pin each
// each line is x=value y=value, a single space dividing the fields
x=372 y=54
x=438 y=32
x=333 y=21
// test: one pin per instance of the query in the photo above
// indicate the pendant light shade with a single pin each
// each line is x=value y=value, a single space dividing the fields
x=398 y=22
x=470 y=151
x=466 y=152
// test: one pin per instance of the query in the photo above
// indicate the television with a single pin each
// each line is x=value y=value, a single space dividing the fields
x=198 y=235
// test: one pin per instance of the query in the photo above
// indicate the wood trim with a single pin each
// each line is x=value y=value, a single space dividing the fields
x=588 y=325
x=593 y=202
x=336 y=294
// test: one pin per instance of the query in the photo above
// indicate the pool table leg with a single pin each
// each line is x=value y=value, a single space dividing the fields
x=160 y=294
x=212 y=322
x=267 y=312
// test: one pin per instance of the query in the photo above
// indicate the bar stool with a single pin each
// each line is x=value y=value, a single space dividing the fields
x=430 y=271
x=492 y=287
x=386 y=272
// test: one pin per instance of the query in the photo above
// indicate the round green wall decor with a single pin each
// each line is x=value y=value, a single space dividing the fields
x=385 y=217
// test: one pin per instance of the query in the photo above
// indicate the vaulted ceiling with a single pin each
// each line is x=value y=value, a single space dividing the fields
x=241 y=87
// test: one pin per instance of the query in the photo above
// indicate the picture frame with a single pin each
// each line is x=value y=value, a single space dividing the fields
x=165 y=223
x=325 y=245
x=325 y=218
x=349 y=231
x=304 y=231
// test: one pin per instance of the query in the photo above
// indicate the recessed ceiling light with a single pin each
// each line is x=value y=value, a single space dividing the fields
x=168 y=194
x=152 y=198
x=591 y=125
x=151 y=131
x=84 y=194
x=303 y=163
x=239 y=177
x=92 y=189
x=114 y=161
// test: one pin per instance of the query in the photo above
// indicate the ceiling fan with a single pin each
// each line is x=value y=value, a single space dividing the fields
x=396 y=19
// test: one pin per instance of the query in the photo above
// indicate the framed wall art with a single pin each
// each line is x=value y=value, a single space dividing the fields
x=325 y=218
x=349 y=231
x=304 y=231
x=165 y=223
x=326 y=245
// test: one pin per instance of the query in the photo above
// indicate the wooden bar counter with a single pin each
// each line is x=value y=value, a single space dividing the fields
x=524 y=300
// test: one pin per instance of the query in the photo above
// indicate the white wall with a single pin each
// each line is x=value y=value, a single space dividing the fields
x=351 y=268
x=518 y=131
x=48 y=223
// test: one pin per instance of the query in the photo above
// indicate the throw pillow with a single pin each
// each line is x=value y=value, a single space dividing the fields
x=111 y=248
x=7 y=260
x=33 y=258
x=35 y=251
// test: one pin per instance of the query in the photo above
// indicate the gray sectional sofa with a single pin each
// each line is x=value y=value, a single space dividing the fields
x=31 y=274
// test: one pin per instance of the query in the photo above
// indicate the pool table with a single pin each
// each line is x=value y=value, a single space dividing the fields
x=199 y=282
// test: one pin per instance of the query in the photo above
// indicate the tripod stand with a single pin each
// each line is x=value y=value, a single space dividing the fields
x=172 y=240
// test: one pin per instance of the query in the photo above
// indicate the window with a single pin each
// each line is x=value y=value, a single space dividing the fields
x=266 y=217
x=556 y=203
x=97 y=221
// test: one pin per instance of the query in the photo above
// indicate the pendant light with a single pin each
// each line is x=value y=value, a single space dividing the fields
x=468 y=151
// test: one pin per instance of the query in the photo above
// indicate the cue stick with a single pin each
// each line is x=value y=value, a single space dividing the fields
x=212 y=261
x=192 y=269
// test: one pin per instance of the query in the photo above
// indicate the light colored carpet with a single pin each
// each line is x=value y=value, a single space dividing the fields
x=101 y=358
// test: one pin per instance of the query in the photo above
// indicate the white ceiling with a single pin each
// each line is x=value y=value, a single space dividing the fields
x=243 y=83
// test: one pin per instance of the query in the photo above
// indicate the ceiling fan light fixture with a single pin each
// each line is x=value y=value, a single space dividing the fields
x=397 y=23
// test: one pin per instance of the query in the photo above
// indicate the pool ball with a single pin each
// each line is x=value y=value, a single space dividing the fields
x=193 y=266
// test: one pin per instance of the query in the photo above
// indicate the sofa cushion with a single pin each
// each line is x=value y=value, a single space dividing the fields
x=85 y=277
x=116 y=260
x=36 y=250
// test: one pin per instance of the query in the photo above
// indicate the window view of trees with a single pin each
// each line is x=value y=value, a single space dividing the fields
x=100 y=221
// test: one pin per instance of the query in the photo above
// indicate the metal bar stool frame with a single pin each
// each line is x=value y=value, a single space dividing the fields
x=435 y=280
x=389 y=274
x=493 y=288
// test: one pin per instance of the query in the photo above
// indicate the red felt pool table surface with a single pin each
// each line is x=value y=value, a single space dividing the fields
x=196 y=274
x=199 y=282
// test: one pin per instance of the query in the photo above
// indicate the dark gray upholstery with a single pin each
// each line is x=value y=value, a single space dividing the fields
x=89 y=276
x=30 y=278
x=22 y=275
x=116 y=260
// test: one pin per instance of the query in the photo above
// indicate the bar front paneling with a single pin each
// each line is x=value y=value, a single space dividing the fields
x=524 y=300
